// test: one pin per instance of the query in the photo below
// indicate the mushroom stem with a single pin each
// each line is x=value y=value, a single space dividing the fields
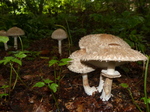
x=111 y=68
x=106 y=94
x=109 y=74
x=15 y=43
x=101 y=84
x=59 y=46
x=88 y=90
x=6 y=46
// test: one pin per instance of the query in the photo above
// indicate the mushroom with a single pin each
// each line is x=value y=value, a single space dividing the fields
x=59 y=34
x=98 y=41
x=77 y=67
x=109 y=57
x=15 y=32
x=3 y=33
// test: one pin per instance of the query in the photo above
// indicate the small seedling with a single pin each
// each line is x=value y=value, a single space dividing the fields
x=4 y=94
x=146 y=100
x=49 y=83
x=58 y=65
x=10 y=60
x=126 y=86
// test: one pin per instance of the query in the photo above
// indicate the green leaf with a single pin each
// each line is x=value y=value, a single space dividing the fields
x=58 y=78
x=20 y=55
x=64 y=61
x=53 y=87
x=52 y=62
x=47 y=81
x=2 y=95
x=7 y=59
x=124 y=85
x=4 y=86
x=2 y=61
x=39 y=84
x=17 y=61
x=146 y=100
x=4 y=39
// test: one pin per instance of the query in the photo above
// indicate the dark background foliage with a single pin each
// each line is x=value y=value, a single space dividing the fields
x=128 y=19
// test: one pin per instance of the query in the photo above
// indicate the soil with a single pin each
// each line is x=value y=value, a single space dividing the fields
x=70 y=96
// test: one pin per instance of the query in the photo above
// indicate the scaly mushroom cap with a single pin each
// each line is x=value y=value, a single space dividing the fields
x=59 y=34
x=113 y=53
x=15 y=31
x=75 y=64
x=3 y=33
x=96 y=41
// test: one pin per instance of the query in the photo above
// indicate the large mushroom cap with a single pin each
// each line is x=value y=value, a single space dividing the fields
x=3 y=33
x=75 y=64
x=59 y=34
x=96 y=41
x=15 y=31
x=113 y=53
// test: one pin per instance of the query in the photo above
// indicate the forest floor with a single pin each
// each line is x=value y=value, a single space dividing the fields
x=70 y=96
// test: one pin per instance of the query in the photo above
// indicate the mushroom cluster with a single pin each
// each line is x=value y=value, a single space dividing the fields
x=104 y=51
x=13 y=32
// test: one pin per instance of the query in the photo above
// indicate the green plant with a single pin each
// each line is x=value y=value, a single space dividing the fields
x=57 y=64
x=126 y=86
x=51 y=85
x=10 y=60
x=5 y=93
x=145 y=98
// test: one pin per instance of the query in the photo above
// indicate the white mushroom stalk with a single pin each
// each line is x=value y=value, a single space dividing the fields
x=77 y=67
x=88 y=90
x=59 y=47
x=15 y=43
x=110 y=73
x=101 y=84
x=106 y=94
x=3 y=33
x=6 y=46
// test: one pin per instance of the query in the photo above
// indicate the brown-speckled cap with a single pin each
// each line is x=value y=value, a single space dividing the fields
x=113 y=52
x=96 y=41
x=15 y=31
x=59 y=34
x=3 y=33
x=75 y=64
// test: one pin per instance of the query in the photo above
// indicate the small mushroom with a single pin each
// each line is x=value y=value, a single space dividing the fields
x=109 y=57
x=15 y=32
x=77 y=67
x=59 y=34
x=3 y=33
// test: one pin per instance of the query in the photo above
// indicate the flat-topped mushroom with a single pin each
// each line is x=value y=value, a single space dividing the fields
x=15 y=32
x=59 y=35
x=3 y=33
x=109 y=57
x=77 y=67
